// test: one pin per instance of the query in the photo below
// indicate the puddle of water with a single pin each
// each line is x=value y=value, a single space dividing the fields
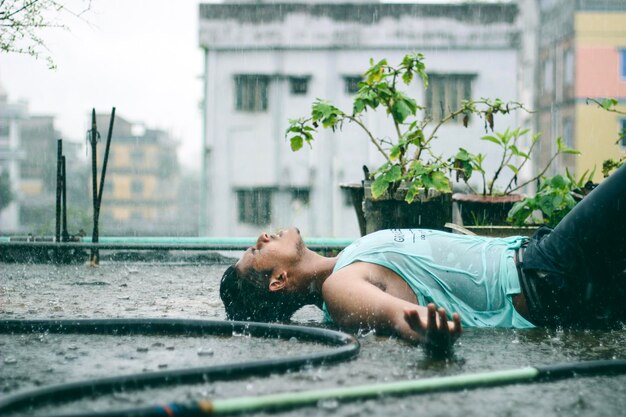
x=192 y=291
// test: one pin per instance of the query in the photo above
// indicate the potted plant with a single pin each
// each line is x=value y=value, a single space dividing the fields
x=556 y=196
x=411 y=188
x=490 y=204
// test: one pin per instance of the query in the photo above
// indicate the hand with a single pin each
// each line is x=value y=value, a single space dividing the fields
x=437 y=336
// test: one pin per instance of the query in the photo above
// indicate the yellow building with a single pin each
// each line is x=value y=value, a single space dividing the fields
x=582 y=58
x=141 y=184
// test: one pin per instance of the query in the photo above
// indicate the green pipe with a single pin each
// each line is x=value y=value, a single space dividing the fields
x=165 y=243
x=420 y=386
x=275 y=402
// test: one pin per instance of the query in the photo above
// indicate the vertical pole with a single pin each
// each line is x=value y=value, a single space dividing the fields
x=105 y=160
x=93 y=137
x=65 y=237
x=202 y=221
x=58 y=196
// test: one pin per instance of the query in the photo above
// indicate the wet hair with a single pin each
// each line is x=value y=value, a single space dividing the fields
x=247 y=297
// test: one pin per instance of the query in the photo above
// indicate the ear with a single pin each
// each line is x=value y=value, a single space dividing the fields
x=277 y=282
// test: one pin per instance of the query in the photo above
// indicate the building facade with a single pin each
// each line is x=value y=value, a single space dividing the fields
x=11 y=115
x=267 y=62
x=581 y=56
x=140 y=195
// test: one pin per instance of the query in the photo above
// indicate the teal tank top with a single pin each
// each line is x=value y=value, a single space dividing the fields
x=475 y=276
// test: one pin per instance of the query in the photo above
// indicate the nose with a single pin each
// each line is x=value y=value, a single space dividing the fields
x=263 y=238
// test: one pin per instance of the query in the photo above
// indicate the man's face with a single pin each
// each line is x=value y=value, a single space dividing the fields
x=271 y=251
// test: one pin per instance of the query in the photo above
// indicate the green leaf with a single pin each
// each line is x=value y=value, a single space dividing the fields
x=358 y=107
x=515 y=151
x=394 y=174
x=400 y=111
x=440 y=181
x=394 y=152
x=379 y=186
x=607 y=103
x=462 y=155
x=412 y=192
x=492 y=139
x=296 y=143
x=513 y=168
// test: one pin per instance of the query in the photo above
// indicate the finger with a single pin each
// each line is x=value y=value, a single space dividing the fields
x=443 y=321
x=458 y=328
x=414 y=320
x=432 y=317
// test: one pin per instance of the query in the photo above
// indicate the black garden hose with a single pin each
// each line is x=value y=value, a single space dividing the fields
x=345 y=347
x=273 y=402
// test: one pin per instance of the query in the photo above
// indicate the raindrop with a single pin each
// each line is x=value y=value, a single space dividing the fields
x=203 y=352
x=10 y=360
x=330 y=404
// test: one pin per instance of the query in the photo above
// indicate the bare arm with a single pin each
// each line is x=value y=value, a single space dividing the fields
x=355 y=303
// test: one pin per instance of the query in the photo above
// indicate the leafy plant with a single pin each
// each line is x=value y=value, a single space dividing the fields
x=23 y=21
x=556 y=197
x=409 y=158
x=512 y=158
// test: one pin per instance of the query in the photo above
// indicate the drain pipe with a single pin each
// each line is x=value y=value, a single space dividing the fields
x=106 y=160
x=65 y=236
x=57 y=233
x=93 y=139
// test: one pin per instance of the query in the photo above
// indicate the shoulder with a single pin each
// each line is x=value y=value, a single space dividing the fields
x=346 y=276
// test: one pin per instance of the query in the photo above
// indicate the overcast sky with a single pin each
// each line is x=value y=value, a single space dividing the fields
x=140 y=56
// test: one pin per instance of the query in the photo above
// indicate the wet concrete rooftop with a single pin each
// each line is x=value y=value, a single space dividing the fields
x=184 y=290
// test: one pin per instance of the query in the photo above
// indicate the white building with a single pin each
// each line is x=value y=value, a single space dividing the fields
x=11 y=154
x=267 y=62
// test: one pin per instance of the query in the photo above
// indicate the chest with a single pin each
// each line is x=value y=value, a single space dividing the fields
x=384 y=279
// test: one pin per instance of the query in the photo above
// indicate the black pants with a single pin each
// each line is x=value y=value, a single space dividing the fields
x=575 y=274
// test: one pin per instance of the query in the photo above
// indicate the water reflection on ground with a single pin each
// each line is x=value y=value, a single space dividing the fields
x=118 y=289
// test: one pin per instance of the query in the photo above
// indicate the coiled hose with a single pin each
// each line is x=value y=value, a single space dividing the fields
x=344 y=347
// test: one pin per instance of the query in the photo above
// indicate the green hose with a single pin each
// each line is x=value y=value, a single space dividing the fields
x=420 y=386
x=276 y=402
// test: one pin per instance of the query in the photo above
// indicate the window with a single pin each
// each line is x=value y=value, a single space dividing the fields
x=548 y=76
x=137 y=187
x=254 y=206
x=298 y=85
x=251 y=92
x=568 y=67
x=300 y=196
x=136 y=155
x=351 y=83
x=445 y=93
x=622 y=60
x=4 y=128
x=568 y=132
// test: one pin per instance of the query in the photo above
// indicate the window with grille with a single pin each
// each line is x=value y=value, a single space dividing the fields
x=445 y=93
x=255 y=206
x=251 y=93
x=137 y=186
x=351 y=83
x=298 y=86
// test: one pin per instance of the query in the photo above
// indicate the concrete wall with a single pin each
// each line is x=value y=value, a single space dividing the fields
x=327 y=42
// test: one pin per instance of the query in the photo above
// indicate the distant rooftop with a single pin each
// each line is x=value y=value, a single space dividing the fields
x=360 y=12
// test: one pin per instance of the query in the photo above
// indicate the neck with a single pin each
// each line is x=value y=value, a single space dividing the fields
x=314 y=269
